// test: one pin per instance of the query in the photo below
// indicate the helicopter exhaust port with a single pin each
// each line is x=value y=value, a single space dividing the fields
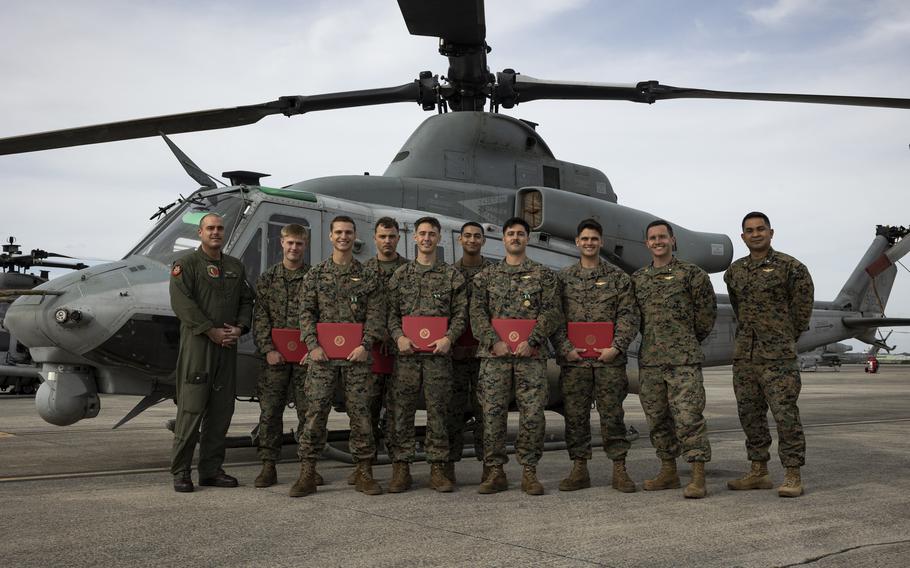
x=67 y=394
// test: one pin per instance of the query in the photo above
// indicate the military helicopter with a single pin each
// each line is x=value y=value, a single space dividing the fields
x=18 y=375
x=109 y=328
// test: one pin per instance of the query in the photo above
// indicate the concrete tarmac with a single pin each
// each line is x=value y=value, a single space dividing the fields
x=85 y=495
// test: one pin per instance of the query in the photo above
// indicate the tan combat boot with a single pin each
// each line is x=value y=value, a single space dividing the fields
x=621 y=480
x=757 y=478
x=529 y=483
x=438 y=479
x=268 y=476
x=306 y=484
x=793 y=484
x=450 y=471
x=696 y=488
x=365 y=482
x=578 y=478
x=485 y=474
x=494 y=482
x=318 y=478
x=352 y=477
x=401 y=477
x=667 y=478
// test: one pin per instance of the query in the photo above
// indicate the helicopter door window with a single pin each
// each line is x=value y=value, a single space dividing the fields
x=252 y=258
x=274 y=253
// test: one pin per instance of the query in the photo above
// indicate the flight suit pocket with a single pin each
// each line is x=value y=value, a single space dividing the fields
x=194 y=392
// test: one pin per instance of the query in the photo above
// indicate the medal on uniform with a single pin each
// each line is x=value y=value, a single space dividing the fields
x=213 y=271
x=526 y=303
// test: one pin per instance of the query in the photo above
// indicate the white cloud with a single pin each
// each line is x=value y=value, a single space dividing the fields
x=781 y=12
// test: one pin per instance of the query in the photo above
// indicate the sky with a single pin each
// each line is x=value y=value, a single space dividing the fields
x=826 y=175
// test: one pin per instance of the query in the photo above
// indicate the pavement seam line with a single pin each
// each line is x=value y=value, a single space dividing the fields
x=835 y=553
x=479 y=537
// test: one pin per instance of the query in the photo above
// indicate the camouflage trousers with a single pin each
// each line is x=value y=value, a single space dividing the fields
x=608 y=386
x=278 y=385
x=434 y=375
x=759 y=385
x=464 y=399
x=359 y=388
x=673 y=398
x=383 y=424
x=499 y=377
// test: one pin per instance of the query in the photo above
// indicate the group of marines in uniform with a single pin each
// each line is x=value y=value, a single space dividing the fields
x=670 y=302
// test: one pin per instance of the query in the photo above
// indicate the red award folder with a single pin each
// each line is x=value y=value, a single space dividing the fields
x=424 y=330
x=513 y=331
x=590 y=335
x=339 y=339
x=382 y=364
x=287 y=342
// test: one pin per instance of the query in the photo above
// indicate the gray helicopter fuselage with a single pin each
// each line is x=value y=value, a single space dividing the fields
x=110 y=328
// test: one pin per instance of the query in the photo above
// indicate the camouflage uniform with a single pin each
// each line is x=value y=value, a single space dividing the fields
x=465 y=369
x=340 y=294
x=600 y=294
x=527 y=291
x=384 y=270
x=678 y=308
x=417 y=290
x=772 y=299
x=278 y=292
x=206 y=294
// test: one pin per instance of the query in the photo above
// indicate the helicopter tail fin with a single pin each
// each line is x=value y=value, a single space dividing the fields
x=869 y=286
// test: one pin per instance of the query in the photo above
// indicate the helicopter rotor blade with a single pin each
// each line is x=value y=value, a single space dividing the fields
x=514 y=88
x=456 y=22
x=421 y=91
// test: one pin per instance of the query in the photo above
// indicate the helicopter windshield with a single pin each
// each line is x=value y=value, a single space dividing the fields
x=167 y=241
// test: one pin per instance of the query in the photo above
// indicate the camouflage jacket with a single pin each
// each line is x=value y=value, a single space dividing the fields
x=678 y=308
x=462 y=352
x=603 y=293
x=469 y=272
x=341 y=294
x=438 y=290
x=278 y=293
x=527 y=291
x=772 y=299
x=384 y=271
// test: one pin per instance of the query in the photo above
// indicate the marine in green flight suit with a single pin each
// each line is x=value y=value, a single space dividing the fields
x=214 y=303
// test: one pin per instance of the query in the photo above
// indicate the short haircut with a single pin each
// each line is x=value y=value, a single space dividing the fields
x=431 y=220
x=589 y=224
x=658 y=223
x=207 y=215
x=473 y=224
x=516 y=221
x=294 y=230
x=387 y=223
x=341 y=219
x=756 y=215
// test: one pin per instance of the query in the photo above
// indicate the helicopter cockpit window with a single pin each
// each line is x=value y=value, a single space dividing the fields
x=170 y=239
x=276 y=222
x=252 y=258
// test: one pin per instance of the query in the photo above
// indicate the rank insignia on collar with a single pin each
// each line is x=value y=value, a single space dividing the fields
x=176 y=270
x=213 y=271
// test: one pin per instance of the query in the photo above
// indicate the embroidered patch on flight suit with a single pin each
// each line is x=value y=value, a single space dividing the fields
x=176 y=270
x=213 y=271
